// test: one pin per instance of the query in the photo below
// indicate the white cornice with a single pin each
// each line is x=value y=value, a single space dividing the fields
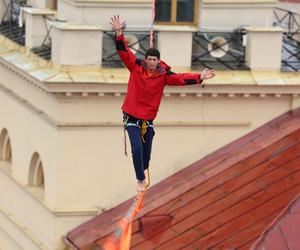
x=240 y=1
x=236 y=4
x=113 y=83
x=38 y=11
x=109 y=3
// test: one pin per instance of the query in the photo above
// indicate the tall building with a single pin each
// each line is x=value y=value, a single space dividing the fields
x=62 y=85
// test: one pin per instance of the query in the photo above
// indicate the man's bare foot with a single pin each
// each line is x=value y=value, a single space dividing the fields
x=141 y=186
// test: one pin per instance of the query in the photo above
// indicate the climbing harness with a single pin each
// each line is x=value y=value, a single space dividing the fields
x=130 y=121
x=144 y=126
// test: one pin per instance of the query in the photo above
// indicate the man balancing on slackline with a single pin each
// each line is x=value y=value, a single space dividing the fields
x=146 y=83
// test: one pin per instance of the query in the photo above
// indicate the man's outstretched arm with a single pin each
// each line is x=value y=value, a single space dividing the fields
x=179 y=79
x=124 y=52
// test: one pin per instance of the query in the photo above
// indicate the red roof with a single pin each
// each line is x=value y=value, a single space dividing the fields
x=290 y=1
x=283 y=233
x=223 y=201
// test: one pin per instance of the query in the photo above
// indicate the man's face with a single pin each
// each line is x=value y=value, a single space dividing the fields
x=152 y=62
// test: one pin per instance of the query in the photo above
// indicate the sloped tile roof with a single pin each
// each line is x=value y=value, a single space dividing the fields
x=290 y=1
x=223 y=201
x=283 y=233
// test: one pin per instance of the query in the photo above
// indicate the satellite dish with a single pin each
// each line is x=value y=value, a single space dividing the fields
x=218 y=47
x=133 y=43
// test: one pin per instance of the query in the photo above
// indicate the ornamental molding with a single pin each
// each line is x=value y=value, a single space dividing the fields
x=110 y=3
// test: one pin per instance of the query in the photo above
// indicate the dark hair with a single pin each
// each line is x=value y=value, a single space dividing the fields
x=153 y=52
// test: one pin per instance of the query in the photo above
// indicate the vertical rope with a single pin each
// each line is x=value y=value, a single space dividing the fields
x=125 y=120
x=152 y=23
x=125 y=143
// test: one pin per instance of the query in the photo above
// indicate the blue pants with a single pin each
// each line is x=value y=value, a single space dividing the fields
x=141 y=151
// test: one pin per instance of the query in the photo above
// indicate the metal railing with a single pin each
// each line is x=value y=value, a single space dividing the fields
x=290 y=60
x=12 y=31
x=219 y=50
x=290 y=21
x=9 y=21
x=139 y=43
x=12 y=10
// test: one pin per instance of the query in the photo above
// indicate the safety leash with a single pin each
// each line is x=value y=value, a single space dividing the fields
x=148 y=178
x=125 y=120
x=153 y=18
x=144 y=127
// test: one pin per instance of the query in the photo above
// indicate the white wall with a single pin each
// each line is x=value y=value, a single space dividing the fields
x=290 y=5
x=37 y=3
x=137 y=15
x=235 y=14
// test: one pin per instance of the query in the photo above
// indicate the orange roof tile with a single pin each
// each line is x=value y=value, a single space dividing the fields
x=223 y=201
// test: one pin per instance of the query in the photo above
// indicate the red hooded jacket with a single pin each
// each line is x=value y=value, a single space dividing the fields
x=144 y=92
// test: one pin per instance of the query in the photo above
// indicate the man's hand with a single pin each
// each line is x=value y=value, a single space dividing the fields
x=117 y=25
x=207 y=74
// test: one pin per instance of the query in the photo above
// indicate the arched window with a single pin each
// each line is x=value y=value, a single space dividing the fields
x=5 y=146
x=36 y=171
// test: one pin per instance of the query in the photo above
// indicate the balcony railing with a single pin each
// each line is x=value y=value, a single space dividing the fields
x=290 y=21
x=138 y=42
x=290 y=60
x=9 y=25
x=12 y=31
x=219 y=50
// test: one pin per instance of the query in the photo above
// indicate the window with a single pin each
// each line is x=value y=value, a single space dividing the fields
x=36 y=172
x=176 y=12
x=5 y=146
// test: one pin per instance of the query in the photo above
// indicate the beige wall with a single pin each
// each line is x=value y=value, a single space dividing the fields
x=136 y=13
x=290 y=5
x=175 y=53
x=235 y=14
x=37 y=3
x=263 y=49
x=28 y=222
x=76 y=45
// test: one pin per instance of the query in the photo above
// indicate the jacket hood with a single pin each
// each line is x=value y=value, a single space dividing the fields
x=162 y=66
